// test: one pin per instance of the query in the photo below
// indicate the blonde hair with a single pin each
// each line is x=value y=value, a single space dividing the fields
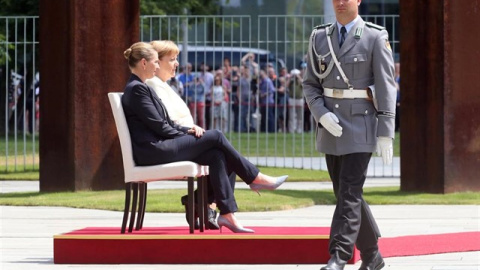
x=137 y=52
x=164 y=47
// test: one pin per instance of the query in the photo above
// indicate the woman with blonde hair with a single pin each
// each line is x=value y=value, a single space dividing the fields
x=180 y=114
x=176 y=107
x=156 y=139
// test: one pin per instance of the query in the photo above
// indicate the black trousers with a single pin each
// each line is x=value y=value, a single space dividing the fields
x=211 y=197
x=214 y=150
x=352 y=222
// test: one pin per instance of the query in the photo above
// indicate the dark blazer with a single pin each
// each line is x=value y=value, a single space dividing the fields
x=148 y=121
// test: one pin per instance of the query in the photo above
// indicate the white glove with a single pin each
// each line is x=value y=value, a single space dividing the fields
x=385 y=149
x=330 y=122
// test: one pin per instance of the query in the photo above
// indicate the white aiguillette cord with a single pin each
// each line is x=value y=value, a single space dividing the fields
x=334 y=57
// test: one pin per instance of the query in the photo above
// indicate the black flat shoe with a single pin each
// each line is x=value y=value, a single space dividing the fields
x=184 y=201
x=212 y=220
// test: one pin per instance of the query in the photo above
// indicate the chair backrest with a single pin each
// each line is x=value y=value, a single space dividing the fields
x=123 y=132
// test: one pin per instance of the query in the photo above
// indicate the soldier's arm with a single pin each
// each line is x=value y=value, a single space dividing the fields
x=312 y=88
x=383 y=71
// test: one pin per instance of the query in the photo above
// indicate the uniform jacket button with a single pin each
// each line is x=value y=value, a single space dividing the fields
x=338 y=78
x=355 y=59
x=336 y=106
x=366 y=111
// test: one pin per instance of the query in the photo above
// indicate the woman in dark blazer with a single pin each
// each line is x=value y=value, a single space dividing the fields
x=157 y=140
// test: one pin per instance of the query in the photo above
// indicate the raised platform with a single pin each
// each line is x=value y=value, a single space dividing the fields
x=174 y=245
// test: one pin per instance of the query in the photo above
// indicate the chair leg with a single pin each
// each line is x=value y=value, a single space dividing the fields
x=200 y=202
x=144 y=204
x=191 y=199
x=134 y=206
x=128 y=188
x=205 y=199
x=141 y=205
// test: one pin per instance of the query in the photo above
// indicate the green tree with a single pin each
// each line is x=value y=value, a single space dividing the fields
x=175 y=7
x=147 y=7
x=19 y=7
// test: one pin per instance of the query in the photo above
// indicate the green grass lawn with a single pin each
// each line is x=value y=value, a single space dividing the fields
x=249 y=144
x=22 y=161
x=169 y=200
x=19 y=157
x=283 y=144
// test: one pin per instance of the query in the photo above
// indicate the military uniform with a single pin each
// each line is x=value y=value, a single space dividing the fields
x=366 y=61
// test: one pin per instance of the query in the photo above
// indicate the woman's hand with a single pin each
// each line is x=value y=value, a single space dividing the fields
x=196 y=131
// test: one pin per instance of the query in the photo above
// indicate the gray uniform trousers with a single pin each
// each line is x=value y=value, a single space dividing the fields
x=352 y=222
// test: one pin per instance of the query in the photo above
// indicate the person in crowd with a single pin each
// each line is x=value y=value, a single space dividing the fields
x=219 y=103
x=267 y=103
x=235 y=81
x=186 y=78
x=248 y=60
x=245 y=97
x=196 y=101
x=157 y=140
x=228 y=88
x=279 y=92
x=226 y=83
x=352 y=125
x=284 y=73
x=227 y=68
x=207 y=77
x=23 y=117
x=281 y=104
x=295 y=102
x=308 y=121
x=176 y=86
x=282 y=99
x=17 y=90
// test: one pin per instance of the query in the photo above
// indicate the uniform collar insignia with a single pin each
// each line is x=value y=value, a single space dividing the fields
x=358 y=32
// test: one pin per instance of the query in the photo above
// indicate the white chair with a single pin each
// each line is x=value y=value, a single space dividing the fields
x=137 y=177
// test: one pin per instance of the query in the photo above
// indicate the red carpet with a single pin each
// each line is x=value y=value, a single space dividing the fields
x=286 y=245
x=429 y=244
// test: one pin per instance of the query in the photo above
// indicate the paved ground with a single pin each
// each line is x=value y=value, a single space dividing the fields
x=26 y=233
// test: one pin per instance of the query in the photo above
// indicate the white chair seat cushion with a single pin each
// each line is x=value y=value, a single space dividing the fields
x=169 y=171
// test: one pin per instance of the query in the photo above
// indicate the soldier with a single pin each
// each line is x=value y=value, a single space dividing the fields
x=350 y=90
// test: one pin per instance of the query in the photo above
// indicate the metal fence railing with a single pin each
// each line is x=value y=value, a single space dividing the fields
x=273 y=130
x=19 y=91
x=279 y=132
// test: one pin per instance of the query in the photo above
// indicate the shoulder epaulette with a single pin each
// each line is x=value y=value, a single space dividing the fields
x=376 y=26
x=325 y=25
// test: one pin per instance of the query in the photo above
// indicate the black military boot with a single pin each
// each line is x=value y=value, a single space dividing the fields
x=372 y=261
x=335 y=262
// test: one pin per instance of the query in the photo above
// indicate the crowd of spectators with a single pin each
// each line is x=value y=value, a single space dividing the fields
x=23 y=103
x=245 y=98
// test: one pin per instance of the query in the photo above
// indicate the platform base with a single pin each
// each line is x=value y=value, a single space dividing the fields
x=174 y=245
